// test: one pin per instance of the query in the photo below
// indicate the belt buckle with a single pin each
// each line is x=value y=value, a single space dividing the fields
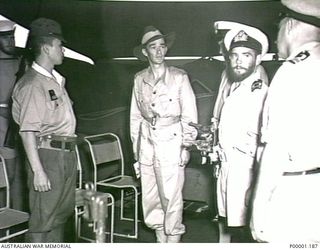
x=62 y=145
x=57 y=144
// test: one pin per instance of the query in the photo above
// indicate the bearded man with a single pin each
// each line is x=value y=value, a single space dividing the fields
x=237 y=115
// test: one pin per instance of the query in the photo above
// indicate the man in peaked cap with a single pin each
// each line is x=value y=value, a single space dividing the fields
x=163 y=104
x=237 y=115
x=286 y=203
x=42 y=109
x=9 y=65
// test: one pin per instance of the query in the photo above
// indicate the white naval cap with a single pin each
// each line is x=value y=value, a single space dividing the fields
x=307 y=10
x=247 y=36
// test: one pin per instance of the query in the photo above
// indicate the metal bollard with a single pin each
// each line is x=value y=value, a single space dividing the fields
x=96 y=210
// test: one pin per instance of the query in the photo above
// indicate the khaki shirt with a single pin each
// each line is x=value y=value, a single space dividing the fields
x=41 y=104
x=170 y=99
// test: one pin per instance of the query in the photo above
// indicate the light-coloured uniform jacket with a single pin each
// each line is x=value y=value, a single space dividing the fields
x=160 y=114
x=291 y=135
x=239 y=127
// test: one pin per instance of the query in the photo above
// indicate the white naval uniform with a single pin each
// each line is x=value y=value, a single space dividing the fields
x=286 y=207
x=238 y=137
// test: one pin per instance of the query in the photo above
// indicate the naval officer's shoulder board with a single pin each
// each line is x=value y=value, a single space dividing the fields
x=300 y=57
x=257 y=84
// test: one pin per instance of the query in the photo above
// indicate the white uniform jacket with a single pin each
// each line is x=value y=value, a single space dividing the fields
x=240 y=119
x=239 y=126
x=286 y=204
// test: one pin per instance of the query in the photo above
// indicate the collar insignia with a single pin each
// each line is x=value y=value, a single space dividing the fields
x=256 y=85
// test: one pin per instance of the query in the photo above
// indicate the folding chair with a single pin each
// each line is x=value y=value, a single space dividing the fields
x=106 y=151
x=11 y=220
x=80 y=203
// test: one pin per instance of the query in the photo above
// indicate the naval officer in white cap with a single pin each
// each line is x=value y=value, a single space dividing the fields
x=240 y=101
x=286 y=203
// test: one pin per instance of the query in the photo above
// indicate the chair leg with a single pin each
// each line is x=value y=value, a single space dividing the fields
x=122 y=205
x=76 y=224
x=112 y=220
x=135 y=217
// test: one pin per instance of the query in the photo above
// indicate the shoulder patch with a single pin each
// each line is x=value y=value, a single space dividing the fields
x=300 y=57
x=256 y=85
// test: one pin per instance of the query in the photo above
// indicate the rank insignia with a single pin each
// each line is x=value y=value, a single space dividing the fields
x=300 y=57
x=256 y=85
x=53 y=95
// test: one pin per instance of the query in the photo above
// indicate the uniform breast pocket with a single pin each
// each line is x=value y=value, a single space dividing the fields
x=170 y=103
x=53 y=105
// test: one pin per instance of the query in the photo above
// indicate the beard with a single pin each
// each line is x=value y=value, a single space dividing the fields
x=236 y=76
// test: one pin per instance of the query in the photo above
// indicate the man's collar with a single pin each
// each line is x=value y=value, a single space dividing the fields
x=55 y=75
x=149 y=76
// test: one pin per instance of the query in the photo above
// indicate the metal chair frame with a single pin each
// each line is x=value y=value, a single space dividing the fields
x=121 y=181
x=17 y=217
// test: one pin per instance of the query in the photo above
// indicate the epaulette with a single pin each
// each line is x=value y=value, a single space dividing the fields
x=176 y=70
x=300 y=57
x=256 y=85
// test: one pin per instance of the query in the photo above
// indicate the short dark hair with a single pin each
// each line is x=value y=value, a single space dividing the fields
x=36 y=42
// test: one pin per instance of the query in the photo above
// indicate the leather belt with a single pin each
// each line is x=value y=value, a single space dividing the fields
x=4 y=105
x=307 y=172
x=61 y=143
x=162 y=121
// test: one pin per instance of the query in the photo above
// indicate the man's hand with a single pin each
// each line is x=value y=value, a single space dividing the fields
x=184 y=157
x=41 y=182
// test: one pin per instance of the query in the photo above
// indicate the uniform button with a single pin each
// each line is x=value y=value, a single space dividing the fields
x=154 y=92
x=170 y=100
x=174 y=134
x=154 y=128
x=152 y=104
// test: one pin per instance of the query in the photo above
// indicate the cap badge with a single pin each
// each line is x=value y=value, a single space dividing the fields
x=241 y=37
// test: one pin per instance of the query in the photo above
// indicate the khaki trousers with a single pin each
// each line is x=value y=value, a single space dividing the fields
x=162 y=198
